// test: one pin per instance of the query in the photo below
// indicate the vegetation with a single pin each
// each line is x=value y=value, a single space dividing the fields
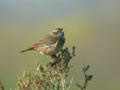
x=52 y=76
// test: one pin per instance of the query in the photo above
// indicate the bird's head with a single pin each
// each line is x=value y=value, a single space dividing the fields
x=57 y=30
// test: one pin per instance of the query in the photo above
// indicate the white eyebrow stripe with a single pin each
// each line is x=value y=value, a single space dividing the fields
x=54 y=30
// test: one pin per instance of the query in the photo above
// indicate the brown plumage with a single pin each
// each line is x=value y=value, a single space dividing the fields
x=30 y=48
x=50 y=44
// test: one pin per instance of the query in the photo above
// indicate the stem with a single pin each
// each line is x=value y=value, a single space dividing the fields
x=63 y=82
x=70 y=83
x=84 y=86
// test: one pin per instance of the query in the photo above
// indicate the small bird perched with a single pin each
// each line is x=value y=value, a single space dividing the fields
x=50 y=44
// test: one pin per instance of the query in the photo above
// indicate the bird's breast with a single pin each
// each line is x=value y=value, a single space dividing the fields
x=52 y=49
x=48 y=49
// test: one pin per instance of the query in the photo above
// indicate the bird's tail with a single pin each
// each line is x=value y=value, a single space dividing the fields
x=29 y=49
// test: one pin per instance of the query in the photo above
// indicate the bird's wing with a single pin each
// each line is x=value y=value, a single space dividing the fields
x=47 y=40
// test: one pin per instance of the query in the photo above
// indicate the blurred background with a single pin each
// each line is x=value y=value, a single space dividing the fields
x=93 y=26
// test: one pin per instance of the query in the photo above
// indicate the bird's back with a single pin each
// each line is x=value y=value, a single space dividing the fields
x=47 y=40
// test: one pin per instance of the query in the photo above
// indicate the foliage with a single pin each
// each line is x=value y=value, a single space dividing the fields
x=52 y=76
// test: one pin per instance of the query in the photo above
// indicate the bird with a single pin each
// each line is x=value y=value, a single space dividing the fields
x=50 y=44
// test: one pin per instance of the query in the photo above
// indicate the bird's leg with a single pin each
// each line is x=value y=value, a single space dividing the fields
x=53 y=56
x=54 y=59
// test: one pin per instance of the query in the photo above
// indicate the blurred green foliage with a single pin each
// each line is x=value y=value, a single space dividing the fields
x=1 y=86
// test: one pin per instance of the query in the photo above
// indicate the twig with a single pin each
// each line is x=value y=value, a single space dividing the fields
x=87 y=78
x=63 y=82
x=70 y=83
x=84 y=86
